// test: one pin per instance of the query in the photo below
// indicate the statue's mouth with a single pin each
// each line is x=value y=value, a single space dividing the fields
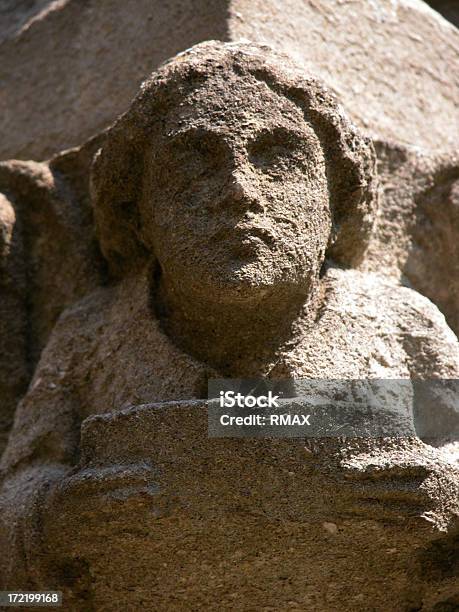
x=255 y=235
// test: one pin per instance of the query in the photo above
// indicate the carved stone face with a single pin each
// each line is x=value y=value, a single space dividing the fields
x=235 y=194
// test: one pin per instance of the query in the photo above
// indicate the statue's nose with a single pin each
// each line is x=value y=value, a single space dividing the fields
x=242 y=192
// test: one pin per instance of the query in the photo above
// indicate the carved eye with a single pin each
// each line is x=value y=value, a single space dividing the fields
x=277 y=150
x=199 y=150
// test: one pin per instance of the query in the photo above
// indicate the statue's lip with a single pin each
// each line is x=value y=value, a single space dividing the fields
x=249 y=231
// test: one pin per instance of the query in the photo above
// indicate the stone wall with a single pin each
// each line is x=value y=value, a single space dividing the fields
x=69 y=67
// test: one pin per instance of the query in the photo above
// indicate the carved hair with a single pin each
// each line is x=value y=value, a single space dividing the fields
x=117 y=171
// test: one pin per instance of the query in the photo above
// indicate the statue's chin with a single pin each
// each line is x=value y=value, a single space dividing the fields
x=246 y=282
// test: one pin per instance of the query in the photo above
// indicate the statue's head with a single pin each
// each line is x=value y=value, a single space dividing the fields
x=233 y=171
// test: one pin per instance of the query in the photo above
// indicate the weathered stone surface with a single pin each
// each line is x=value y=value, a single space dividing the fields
x=74 y=66
x=234 y=203
x=51 y=112
x=14 y=371
x=390 y=62
x=416 y=234
x=252 y=515
x=17 y=14
x=49 y=258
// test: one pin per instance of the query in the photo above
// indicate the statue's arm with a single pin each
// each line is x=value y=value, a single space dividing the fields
x=42 y=449
x=432 y=350
x=44 y=491
x=406 y=478
x=431 y=346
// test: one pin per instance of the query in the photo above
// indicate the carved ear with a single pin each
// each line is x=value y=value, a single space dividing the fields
x=116 y=181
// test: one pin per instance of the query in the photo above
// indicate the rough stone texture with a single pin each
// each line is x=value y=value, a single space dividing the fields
x=234 y=202
x=48 y=259
x=246 y=524
x=14 y=372
x=391 y=62
x=15 y=14
x=74 y=65
x=416 y=234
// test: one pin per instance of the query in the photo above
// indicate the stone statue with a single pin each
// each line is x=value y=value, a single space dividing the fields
x=234 y=203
